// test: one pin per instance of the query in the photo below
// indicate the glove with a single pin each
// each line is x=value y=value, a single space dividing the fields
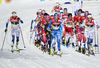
x=18 y=18
x=6 y=30
x=97 y=26
x=31 y=29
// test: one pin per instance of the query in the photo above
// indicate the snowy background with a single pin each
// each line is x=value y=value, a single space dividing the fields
x=32 y=57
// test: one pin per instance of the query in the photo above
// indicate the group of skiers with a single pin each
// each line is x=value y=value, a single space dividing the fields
x=60 y=27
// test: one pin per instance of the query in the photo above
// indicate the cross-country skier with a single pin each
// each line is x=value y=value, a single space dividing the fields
x=82 y=38
x=69 y=26
x=35 y=21
x=65 y=14
x=90 y=24
x=77 y=27
x=64 y=18
x=43 y=23
x=15 y=28
x=77 y=5
x=55 y=25
x=57 y=8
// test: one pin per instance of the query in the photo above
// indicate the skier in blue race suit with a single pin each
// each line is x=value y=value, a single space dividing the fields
x=56 y=31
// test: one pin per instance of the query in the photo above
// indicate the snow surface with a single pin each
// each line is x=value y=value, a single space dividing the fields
x=32 y=57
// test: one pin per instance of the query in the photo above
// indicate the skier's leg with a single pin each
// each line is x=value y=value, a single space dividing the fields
x=17 y=40
x=91 y=41
x=53 y=38
x=49 y=44
x=76 y=34
x=17 y=35
x=67 y=39
x=72 y=41
x=72 y=37
x=13 y=37
x=83 y=45
x=53 y=35
x=87 y=40
x=58 y=40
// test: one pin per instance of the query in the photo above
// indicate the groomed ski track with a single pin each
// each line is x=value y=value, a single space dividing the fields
x=31 y=56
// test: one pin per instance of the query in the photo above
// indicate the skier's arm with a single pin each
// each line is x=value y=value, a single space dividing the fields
x=7 y=23
x=31 y=25
x=49 y=26
x=20 y=20
x=33 y=22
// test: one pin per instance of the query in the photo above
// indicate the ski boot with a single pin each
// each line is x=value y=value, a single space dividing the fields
x=73 y=45
x=79 y=50
x=83 y=50
x=44 y=49
x=59 y=53
x=63 y=43
x=12 y=48
x=76 y=48
x=92 y=52
x=67 y=44
x=87 y=52
x=17 y=47
x=37 y=43
x=41 y=48
x=49 y=51
x=54 y=50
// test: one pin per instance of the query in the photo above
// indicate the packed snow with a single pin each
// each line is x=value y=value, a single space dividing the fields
x=31 y=56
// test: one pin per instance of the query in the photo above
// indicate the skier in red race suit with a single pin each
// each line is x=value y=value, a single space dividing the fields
x=56 y=8
x=68 y=28
x=77 y=27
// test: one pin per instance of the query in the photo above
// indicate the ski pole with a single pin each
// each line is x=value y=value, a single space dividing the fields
x=3 y=41
x=31 y=34
x=96 y=45
x=95 y=41
x=22 y=37
x=98 y=41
